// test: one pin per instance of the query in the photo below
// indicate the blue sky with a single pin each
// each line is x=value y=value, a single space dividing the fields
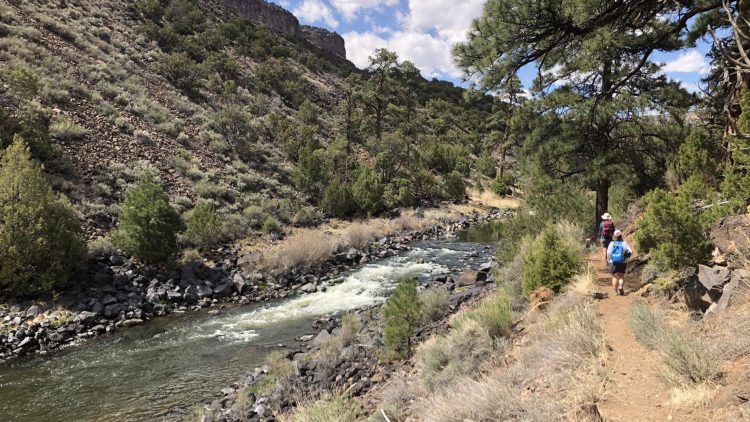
x=423 y=31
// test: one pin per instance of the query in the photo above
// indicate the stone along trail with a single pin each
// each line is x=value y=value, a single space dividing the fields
x=633 y=391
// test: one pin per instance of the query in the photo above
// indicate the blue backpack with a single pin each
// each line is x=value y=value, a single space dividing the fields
x=618 y=252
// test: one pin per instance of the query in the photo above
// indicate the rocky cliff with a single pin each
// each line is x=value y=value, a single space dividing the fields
x=325 y=40
x=282 y=21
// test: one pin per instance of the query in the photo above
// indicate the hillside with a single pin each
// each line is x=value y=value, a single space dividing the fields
x=219 y=98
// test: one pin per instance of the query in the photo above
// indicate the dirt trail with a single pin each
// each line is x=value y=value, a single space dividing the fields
x=634 y=391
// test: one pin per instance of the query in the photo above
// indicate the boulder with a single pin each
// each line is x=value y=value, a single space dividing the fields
x=174 y=296
x=223 y=290
x=696 y=295
x=713 y=279
x=309 y=288
x=111 y=311
x=204 y=292
x=33 y=311
x=108 y=300
x=116 y=260
x=738 y=286
x=321 y=339
x=725 y=234
x=87 y=318
x=239 y=284
x=486 y=267
x=470 y=278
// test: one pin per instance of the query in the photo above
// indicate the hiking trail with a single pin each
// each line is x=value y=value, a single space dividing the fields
x=634 y=391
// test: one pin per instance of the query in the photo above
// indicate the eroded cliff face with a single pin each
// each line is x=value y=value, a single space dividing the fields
x=282 y=21
x=276 y=18
x=328 y=41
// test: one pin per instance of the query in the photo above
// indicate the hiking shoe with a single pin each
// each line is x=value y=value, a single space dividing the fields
x=621 y=292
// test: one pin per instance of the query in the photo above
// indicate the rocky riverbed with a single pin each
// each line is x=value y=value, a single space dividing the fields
x=336 y=356
x=114 y=291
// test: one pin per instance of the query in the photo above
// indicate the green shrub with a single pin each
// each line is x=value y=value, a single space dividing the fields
x=694 y=157
x=494 y=314
x=337 y=199
x=671 y=231
x=254 y=216
x=499 y=187
x=550 y=263
x=400 y=313
x=236 y=125
x=270 y=225
x=40 y=238
x=65 y=129
x=23 y=81
x=454 y=186
x=148 y=223
x=443 y=359
x=101 y=246
x=367 y=192
x=305 y=217
x=203 y=226
x=182 y=71
x=486 y=165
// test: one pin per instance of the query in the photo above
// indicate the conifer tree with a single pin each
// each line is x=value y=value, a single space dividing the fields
x=148 y=223
x=40 y=237
x=401 y=312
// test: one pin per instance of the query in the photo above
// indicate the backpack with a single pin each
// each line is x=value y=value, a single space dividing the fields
x=618 y=252
x=608 y=229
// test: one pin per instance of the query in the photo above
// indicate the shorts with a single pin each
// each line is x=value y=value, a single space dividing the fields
x=617 y=268
x=605 y=242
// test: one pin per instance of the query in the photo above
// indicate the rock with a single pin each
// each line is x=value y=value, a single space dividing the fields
x=644 y=291
x=696 y=295
x=713 y=279
x=486 y=267
x=738 y=286
x=108 y=300
x=725 y=234
x=599 y=295
x=328 y=41
x=239 y=284
x=187 y=274
x=204 y=292
x=321 y=339
x=462 y=296
x=33 y=311
x=214 y=312
x=87 y=318
x=309 y=288
x=306 y=337
x=116 y=260
x=469 y=278
x=131 y=322
x=111 y=311
x=223 y=290
x=174 y=296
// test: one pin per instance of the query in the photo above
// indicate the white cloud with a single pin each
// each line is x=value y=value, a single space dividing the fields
x=316 y=11
x=691 y=62
x=425 y=34
x=350 y=8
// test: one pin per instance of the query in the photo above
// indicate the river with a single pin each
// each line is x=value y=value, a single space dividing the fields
x=163 y=369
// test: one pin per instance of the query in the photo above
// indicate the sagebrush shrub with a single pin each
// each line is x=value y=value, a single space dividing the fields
x=203 y=226
x=550 y=262
x=494 y=314
x=40 y=237
x=148 y=223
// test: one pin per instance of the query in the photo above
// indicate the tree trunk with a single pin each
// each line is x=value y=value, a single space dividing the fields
x=602 y=199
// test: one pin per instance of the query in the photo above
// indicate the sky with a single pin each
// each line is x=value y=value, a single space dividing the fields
x=423 y=31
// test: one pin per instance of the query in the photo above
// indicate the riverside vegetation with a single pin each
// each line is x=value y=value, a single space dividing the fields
x=164 y=128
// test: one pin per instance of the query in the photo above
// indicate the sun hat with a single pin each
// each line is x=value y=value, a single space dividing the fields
x=606 y=216
x=618 y=233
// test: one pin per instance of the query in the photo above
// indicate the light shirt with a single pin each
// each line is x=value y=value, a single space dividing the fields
x=625 y=247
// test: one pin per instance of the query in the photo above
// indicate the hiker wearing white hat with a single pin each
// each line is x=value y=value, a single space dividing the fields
x=606 y=231
x=618 y=253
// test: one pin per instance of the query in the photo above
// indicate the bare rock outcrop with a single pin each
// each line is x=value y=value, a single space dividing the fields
x=327 y=41
x=282 y=21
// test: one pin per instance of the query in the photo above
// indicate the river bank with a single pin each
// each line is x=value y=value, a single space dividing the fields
x=114 y=292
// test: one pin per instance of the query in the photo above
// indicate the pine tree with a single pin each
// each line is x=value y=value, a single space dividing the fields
x=550 y=263
x=148 y=223
x=401 y=312
x=40 y=238
x=736 y=183
x=368 y=191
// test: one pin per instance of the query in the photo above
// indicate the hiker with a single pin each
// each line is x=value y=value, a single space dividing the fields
x=606 y=231
x=618 y=253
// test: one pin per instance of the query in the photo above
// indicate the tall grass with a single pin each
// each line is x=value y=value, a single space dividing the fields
x=329 y=408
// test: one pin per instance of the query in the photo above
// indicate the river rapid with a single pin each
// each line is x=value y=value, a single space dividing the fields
x=163 y=369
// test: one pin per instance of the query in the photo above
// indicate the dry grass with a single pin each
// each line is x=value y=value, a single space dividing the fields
x=494 y=314
x=329 y=408
x=490 y=199
x=435 y=303
x=461 y=353
x=646 y=325
x=358 y=234
x=583 y=283
x=567 y=338
x=693 y=396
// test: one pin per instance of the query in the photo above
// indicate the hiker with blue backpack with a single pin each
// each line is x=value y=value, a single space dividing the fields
x=606 y=231
x=618 y=253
